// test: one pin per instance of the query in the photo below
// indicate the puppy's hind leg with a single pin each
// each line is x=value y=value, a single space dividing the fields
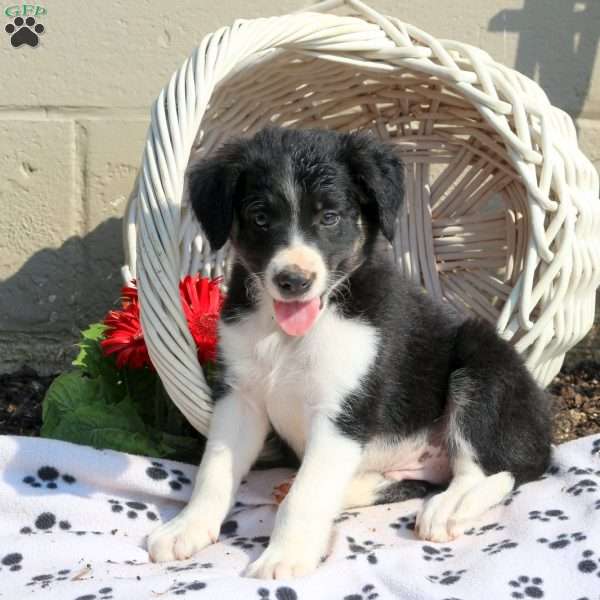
x=497 y=428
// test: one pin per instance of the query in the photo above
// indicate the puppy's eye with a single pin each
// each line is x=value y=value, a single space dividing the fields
x=330 y=218
x=260 y=219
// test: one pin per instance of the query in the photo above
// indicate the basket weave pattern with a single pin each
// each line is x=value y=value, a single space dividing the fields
x=501 y=216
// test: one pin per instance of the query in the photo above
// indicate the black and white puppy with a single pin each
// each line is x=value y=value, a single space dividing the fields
x=373 y=385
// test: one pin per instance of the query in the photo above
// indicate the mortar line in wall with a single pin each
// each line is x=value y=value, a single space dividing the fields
x=68 y=113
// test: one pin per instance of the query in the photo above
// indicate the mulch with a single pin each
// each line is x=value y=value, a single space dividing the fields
x=576 y=394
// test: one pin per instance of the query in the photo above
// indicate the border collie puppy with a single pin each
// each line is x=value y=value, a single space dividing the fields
x=379 y=391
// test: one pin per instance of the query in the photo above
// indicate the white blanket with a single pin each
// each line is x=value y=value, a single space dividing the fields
x=73 y=522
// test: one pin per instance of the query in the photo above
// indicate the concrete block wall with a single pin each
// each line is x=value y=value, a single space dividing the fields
x=74 y=112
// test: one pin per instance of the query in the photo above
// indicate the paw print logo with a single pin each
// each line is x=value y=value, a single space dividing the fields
x=484 y=529
x=24 y=32
x=447 y=577
x=596 y=447
x=527 y=587
x=439 y=555
x=590 y=563
x=498 y=547
x=12 y=561
x=159 y=472
x=44 y=580
x=180 y=588
x=48 y=477
x=548 y=515
x=104 y=593
x=563 y=540
x=44 y=523
x=406 y=522
x=135 y=509
x=281 y=593
x=584 y=485
x=366 y=593
x=366 y=549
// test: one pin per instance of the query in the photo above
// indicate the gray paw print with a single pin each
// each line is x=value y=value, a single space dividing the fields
x=526 y=587
x=437 y=554
x=563 y=540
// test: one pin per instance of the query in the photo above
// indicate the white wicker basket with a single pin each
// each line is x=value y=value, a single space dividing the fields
x=502 y=213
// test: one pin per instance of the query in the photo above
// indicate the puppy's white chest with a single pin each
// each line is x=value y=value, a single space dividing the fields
x=294 y=378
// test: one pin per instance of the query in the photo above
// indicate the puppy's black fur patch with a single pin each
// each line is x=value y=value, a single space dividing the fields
x=431 y=363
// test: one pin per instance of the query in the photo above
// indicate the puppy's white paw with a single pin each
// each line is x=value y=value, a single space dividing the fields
x=179 y=539
x=284 y=562
x=434 y=522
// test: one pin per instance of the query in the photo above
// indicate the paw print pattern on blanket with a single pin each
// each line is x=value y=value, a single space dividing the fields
x=134 y=509
x=281 y=593
x=104 y=593
x=367 y=592
x=45 y=522
x=497 y=547
x=250 y=543
x=595 y=451
x=484 y=529
x=48 y=477
x=344 y=516
x=527 y=587
x=45 y=579
x=180 y=588
x=545 y=516
x=158 y=472
x=590 y=563
x=583 y=485
x=511 y=497
x=447 y=577
x=366 y=549
x=437 y=554
x=12 y=562
x=563 y=540
x=228 y=529
x=189 y=567
x=406 y=522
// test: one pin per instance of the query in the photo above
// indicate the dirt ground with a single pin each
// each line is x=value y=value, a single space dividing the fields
x=576 y=394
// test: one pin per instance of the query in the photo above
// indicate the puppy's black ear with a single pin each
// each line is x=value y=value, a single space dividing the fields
x=212 y=184
x=378 y=173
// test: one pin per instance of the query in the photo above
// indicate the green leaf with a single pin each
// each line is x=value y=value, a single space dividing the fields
x=90 y=351
x=118 y=427
x=65 y=393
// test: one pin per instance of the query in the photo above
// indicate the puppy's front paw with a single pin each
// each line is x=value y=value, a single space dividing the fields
x=434 y=522
x=284 y=561
x=179 y=539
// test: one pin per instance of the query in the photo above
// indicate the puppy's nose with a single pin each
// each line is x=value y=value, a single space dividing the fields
x=293 y=281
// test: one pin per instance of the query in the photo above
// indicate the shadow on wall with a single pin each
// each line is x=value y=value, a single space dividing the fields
x=558 y=43
x=57 y=292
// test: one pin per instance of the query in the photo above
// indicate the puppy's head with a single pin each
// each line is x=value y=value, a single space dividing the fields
x=302 y=210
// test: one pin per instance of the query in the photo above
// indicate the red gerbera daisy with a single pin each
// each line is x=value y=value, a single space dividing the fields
x=202 y=300
x=124 y=336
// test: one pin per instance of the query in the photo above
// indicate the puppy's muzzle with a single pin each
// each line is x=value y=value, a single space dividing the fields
x=293 y=282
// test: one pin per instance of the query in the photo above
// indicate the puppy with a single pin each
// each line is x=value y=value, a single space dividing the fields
x=379 y=391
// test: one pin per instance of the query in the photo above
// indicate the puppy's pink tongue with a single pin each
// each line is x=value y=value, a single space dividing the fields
x=296 y=318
